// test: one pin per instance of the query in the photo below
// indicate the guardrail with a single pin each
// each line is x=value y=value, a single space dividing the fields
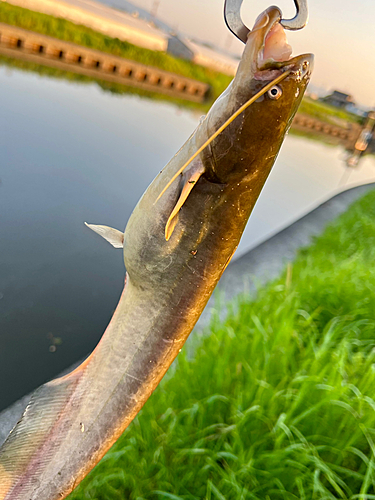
x=45 y=50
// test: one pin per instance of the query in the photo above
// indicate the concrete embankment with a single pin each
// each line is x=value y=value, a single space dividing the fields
x=255 y=268
x=101 y=18
x=347 y=135
x=45 y=50
x=119 y=24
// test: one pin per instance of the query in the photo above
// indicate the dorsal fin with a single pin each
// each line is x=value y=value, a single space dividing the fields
x=113 y=236
x=189 y=180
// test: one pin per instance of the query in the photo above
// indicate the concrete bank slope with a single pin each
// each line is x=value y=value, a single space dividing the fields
x=45 y=50
x=255 y=268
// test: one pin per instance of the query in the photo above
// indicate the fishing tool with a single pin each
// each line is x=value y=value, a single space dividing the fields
x=232 y=16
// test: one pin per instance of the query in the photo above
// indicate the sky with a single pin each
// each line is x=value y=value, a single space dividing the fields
x=341 y=34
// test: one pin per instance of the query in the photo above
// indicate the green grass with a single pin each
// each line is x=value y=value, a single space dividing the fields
x=326 y=112
x=70 y=32
x=278 y=400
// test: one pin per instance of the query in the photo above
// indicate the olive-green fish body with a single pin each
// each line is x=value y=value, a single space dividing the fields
x=176 y=246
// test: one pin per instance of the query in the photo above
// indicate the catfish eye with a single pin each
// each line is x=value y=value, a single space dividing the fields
x=275 y=92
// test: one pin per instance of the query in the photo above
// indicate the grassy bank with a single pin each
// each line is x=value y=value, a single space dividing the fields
x=278 y=402
x=326 y=112
x=70 y=32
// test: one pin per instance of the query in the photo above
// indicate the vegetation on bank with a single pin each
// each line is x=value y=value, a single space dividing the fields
x=327 y=113
x=278 y=401
x=81 y=35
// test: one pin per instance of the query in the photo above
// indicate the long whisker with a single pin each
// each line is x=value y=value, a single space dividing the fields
x=224 y=126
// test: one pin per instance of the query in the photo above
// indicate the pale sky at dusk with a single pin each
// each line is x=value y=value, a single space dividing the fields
x=341 y=34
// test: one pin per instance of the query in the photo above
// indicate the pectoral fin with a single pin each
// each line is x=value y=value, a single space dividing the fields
x=190 y=179
x=113 y=236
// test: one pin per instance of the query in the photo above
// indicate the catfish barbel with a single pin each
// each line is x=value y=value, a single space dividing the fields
x=176 y=246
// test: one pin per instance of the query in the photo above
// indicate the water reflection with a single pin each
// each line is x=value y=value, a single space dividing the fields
x=69 y=154
x=72 y=154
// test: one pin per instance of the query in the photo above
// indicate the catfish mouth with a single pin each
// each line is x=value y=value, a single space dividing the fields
x=272 y=53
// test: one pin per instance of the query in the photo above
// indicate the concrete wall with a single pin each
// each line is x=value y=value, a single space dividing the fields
x=345 y=135
x=41 y=49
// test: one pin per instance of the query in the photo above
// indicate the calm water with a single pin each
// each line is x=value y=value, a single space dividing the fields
x=71 y=153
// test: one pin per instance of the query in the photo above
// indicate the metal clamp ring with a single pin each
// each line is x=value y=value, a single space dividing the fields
x=232 y=16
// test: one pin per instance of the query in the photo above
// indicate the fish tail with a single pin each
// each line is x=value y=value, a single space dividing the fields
x=27 y=451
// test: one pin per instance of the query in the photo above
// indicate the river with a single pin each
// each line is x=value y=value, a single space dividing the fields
x=72 y=153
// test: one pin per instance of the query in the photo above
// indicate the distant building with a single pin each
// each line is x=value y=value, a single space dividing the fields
x=210 y=58
x=202 y=54
x=178 y=48
x=338 y=99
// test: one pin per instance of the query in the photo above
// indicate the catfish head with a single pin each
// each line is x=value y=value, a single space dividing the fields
x=256 y=135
